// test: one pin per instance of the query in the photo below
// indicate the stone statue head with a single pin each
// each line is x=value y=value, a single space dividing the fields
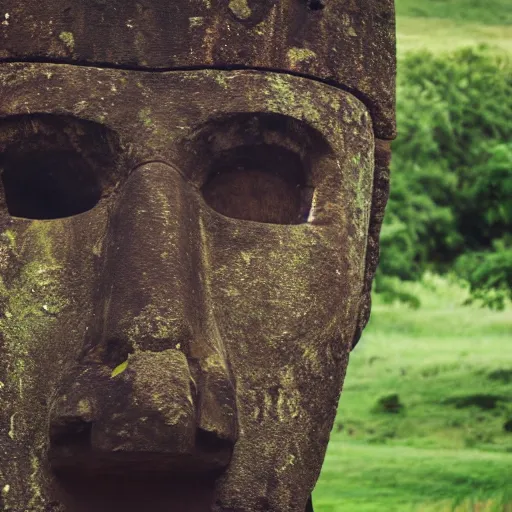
x=190 y=204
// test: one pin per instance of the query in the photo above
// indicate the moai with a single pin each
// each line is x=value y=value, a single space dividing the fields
x=190 y=205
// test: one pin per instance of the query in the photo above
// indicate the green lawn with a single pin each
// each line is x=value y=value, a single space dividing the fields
x=443 y=25
x=365 y=478
x=444 y=35
x=445 y=373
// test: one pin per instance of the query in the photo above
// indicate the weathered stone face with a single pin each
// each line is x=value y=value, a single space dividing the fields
x=151 y=332
x=186 y=256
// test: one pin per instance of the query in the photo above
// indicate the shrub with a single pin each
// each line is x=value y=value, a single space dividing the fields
x=389 y=404
x=451 y=188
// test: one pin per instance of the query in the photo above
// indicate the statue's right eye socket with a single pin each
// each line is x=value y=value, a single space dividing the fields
x=262 y=183
x=55 y=166
x=49 y=185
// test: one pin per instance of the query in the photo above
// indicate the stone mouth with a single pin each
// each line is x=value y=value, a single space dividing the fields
x=77 y=455
x=133 y=464
x=162 y=492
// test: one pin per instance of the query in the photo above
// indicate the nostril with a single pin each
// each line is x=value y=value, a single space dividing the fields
x=73 y=414
x=210 y=442
x=117 y=350
x=70 y=431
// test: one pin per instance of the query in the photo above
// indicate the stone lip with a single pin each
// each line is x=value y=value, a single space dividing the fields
x=350 y=45
x=91 y=462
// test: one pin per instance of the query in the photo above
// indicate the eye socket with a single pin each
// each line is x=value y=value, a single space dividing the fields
x=41 y=185
x=55 y=166
x=262 y=183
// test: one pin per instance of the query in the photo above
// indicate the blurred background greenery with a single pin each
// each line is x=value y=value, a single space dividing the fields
x=425 y=418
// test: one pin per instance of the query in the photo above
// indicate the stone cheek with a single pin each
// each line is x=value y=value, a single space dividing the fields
x=45 y=308
x=153 y=333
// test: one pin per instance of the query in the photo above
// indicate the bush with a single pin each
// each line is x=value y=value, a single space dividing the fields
x=489 y=274
x=389 y=404
x=451 y=193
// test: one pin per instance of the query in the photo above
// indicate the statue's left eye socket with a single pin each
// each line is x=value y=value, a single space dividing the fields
x=55 y=166
x=262 y=183
x=49 y=185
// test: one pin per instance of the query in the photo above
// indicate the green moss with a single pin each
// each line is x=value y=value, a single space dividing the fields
x=246 y=256
x=33 y=299
x=37 y=497
x=144 y=116
x=220 y=77
x=4 y=292
x=240 y=8
x=196 y=21
x=84 y=407
x=68 y=39
x=10 y=236
x=297 y=55
x=154 y=322
x=32 y=295
x=317 y=105
x=11 y=432
x=36 y=278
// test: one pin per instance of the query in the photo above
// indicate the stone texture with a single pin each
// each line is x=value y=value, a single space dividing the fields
x=348 y=43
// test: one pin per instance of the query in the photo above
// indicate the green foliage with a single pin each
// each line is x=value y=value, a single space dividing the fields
x=391 y=289
x=480 y=11
x=489 y=274
x=451 y=194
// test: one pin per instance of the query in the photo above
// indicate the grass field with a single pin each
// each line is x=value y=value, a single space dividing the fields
x=443 y=25
x=421 y=422
x=444 y=35
x=492 y=12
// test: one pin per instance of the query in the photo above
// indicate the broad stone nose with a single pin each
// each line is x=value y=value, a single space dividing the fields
x=152 y=386
x=154 y=296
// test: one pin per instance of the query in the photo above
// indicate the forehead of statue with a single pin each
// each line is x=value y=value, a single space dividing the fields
x=347 y=44
x=187 y=118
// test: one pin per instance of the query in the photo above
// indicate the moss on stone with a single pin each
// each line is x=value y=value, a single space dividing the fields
x=36 y=501
x=33 y=299
x=10 y=236
x=145 y=117
x=298 y=55
x=156 y=323
x=68 y=39
x=196 y=21
x=240 y=8
x=289 y=96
